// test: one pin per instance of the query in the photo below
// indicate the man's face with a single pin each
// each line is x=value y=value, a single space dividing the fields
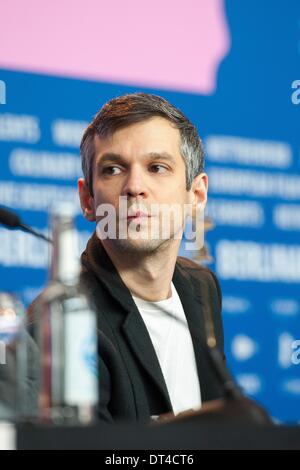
x=142 y=164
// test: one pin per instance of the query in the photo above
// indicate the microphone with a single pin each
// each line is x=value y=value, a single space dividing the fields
x=9 y=219
x=12 y=221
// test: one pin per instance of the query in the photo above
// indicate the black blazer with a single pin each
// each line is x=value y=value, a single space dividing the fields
x=132 y=386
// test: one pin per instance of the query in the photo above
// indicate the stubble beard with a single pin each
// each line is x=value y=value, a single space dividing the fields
x=137 y=248
x=143 y=246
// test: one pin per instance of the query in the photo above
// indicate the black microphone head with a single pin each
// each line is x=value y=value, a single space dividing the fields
x=9 y=219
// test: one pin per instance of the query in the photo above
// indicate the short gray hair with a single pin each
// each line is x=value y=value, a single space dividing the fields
x=133 y=108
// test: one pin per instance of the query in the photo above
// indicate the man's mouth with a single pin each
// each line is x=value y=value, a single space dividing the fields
x=138 y=215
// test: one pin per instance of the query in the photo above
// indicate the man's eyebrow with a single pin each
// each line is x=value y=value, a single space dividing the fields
x=161 y=156
x=111 y=157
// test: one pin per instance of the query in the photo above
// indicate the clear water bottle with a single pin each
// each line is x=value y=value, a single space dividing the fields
x=13 y=358
x=65 y=330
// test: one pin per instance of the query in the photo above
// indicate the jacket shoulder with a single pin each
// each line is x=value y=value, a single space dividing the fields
x=207 y=287
x=202 y=278
x=187 y=263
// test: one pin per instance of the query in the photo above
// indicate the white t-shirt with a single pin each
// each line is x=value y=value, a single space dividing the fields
x=174 y=348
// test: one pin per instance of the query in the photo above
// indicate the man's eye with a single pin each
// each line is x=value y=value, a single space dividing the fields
x=158 y=168
x=111 y=170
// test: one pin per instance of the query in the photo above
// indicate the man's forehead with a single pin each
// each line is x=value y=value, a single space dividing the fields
x=155 y=131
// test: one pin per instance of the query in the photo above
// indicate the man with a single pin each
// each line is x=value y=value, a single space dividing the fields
x=150 y=302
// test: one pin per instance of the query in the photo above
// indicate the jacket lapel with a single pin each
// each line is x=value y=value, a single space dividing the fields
x=133 y=327
x=193 y=301
x=140 y=342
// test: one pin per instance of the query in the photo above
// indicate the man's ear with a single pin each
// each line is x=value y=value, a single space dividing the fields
x=199 y=191
x=86 y=201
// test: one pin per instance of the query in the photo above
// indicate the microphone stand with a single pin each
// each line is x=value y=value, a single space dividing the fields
x=27 y=229
x=234 y=407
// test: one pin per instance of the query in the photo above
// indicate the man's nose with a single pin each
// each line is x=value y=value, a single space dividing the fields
x=135 y=184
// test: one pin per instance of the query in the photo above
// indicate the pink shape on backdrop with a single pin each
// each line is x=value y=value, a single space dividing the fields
x=160 y=44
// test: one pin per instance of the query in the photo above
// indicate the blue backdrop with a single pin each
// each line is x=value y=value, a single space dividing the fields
x=250 y=128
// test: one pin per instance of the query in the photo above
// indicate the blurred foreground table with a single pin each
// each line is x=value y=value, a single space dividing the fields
x=175 y=436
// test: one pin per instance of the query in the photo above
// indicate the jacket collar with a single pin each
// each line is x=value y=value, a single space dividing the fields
x=96 y=259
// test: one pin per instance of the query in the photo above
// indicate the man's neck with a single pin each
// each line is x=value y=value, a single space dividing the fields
x=147 y=277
